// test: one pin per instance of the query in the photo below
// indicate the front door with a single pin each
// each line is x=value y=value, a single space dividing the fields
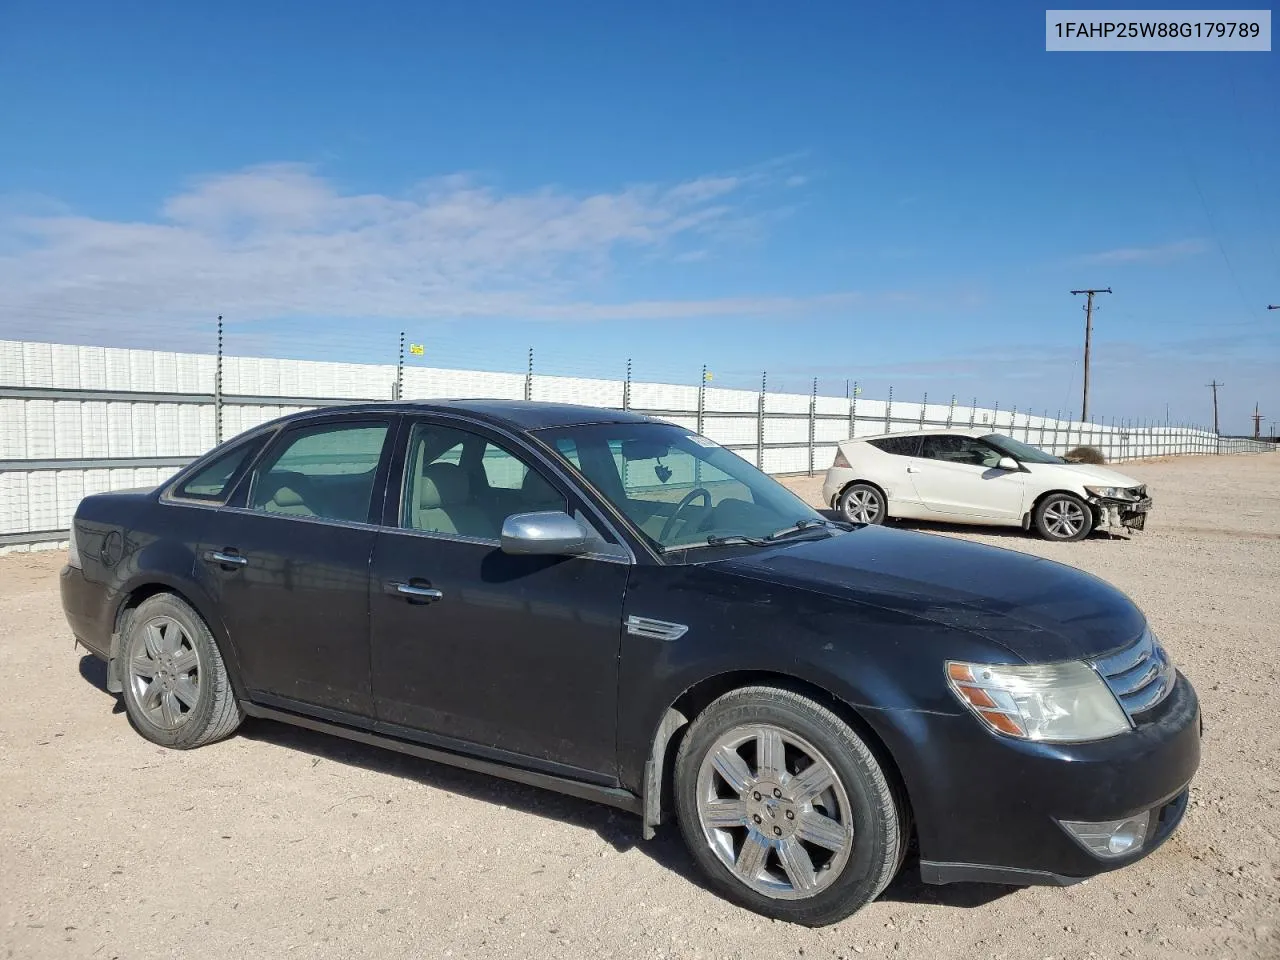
x=289 y=567
x=485 y=650
x=957 y=475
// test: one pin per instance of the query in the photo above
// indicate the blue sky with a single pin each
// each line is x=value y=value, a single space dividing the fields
x=903 y=195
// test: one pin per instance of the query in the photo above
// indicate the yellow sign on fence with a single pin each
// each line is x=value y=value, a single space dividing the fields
x=416 y=349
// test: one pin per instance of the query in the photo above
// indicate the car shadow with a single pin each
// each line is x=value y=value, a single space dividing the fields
x=94 y=672
x=619 y=829
x=952 y=529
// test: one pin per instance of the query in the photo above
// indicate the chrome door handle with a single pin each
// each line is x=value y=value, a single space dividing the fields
x=414 y=592
x=913 y=469
x=226 y=559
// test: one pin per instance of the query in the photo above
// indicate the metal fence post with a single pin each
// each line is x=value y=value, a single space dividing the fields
x=399 y=391
x=995 y=418
x=813 y=423
x=528 y=377
x=626 y=388
x=217 y=390
x=888 y=412
x=853 y=411
x=951 y=411
x=924 y=405
x=702 y=398
x=973 y=412
x=764 y=383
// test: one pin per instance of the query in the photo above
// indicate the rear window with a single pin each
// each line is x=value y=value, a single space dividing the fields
x=899 y=446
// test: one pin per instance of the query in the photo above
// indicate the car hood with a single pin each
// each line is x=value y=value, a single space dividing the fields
x=1038 y=610
x=1086 y=473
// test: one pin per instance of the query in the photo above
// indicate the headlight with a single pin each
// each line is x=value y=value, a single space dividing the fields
x=1054 y=702
x=1110 y=493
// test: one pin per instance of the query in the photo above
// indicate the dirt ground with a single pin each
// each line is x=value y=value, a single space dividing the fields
x=280 y=842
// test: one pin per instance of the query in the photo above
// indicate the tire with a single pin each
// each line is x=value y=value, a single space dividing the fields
x=859 y=827
x=863 y=503
x=1063 y=517
x=176 y=689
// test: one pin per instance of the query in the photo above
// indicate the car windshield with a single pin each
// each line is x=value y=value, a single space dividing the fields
x=1022 y=452
x=679 y=489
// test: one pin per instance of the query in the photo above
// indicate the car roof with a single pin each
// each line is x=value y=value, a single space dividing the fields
x=958 y=431
x=514 y=414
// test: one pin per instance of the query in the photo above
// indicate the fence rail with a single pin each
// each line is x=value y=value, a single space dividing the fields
x=79 y=420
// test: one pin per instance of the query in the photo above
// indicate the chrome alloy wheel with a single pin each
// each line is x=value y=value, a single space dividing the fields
x=774 y=812
x=1064 y=518
x=164 y=672
x=862 y=506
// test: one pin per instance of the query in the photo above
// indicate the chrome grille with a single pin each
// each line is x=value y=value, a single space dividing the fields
x=1139 y=675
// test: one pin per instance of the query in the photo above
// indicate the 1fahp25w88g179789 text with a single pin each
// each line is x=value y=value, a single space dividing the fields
x=1168 y=30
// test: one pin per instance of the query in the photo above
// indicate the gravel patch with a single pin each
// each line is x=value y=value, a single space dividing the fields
x=280 y=842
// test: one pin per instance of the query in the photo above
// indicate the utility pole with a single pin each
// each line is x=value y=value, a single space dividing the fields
x=1214 y=387
x=1088 y=336
x=1257 y=423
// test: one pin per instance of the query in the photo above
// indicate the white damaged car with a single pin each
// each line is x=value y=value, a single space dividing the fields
x=976 y=476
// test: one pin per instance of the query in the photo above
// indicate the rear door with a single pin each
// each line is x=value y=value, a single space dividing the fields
x=957 y=475
x=288 y=564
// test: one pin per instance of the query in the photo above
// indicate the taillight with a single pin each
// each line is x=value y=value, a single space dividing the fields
x=841 y=460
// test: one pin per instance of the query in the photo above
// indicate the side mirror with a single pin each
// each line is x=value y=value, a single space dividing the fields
x=1008 y=463
x=547 y=532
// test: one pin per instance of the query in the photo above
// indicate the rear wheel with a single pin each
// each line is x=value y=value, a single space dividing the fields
x=863 y=503
x=176 y=689
x=1063 y=517
x=785 y=808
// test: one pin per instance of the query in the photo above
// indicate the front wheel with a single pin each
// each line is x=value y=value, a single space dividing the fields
x=785 y=808
x=1063 y=517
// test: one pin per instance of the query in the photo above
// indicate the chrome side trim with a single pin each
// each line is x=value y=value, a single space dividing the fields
x=652 y=629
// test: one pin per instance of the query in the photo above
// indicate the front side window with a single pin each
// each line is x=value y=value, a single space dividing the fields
x=956 y=448
x=325 y=472
x=460 y=483
x=1022 y=452
x=214 y=481
x=676 y=488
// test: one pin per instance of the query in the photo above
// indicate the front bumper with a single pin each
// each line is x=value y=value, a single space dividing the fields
x=988 y=807
x=1126 y=514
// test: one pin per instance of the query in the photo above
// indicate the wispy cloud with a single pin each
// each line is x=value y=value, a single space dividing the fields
x=281 y=240
x=1158 y=254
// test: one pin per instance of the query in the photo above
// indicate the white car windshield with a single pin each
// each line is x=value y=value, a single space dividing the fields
x=1022 y=452
x=679 y=489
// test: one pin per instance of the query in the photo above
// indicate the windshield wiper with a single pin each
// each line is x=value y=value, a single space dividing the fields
x=799 y=527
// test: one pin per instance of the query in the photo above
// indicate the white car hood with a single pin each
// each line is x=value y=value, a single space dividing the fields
x=1088 y=474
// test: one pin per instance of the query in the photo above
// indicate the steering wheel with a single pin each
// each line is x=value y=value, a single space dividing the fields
x=689 y=497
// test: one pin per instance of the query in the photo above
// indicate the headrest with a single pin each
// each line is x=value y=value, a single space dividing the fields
x=442 y=485
x=287 y=497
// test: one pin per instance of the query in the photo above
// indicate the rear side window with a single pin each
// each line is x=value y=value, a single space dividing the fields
x=323 y=472
x=899 y=446
x=214 y=481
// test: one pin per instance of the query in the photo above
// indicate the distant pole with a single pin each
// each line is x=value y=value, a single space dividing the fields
x=702 y=398
x=764 y=385
x=1257 y=423
x=813 y=422
x=528 y=377
x=1214 y=387
x=217 y=390
x=400 y=370
x=626 y=388
x=1088 y=337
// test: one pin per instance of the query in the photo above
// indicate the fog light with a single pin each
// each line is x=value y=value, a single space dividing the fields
x=1109 y=839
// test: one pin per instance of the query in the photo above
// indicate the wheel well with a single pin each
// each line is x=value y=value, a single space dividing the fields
x=1049 y=493
x=867 y=483
x=701 y=695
